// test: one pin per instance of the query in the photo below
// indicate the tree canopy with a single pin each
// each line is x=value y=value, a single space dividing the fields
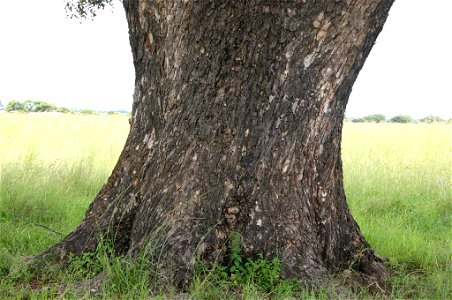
x=30 y=106
x=85 y=8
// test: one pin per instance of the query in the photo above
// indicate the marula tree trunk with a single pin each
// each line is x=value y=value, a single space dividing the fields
x=236 y=128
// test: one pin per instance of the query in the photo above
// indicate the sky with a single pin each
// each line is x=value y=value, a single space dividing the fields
x=46 y=56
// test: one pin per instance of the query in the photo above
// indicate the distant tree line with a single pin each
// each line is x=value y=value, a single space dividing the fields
x=41 y=106
x=380 y=118
x=32 y=106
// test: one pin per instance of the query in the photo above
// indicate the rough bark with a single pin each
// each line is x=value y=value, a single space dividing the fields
x=236 y=127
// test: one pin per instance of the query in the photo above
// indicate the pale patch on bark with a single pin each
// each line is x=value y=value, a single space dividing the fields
x=286 y=166
x=150 y=139
x=308 y=60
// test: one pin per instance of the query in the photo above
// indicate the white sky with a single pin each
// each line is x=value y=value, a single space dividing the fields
x=46 y=56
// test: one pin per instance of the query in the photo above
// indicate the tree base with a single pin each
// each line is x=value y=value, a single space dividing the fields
x=345 y=284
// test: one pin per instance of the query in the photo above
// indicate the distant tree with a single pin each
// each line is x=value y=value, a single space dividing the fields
x=1 y=105
x=41 y=106
x=377 y=118
x=15 y=105
x=87 y=112
x=64 y=110
x=401 y=119
x=431 y=119
x=358 y=120
x=31 y=106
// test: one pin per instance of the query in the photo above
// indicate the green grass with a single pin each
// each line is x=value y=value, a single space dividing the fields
x=51 y=167
x=397 y=179
x=398 y=184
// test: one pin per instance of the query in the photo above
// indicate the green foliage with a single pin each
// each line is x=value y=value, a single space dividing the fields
x=261 y=273
x=30 y=106
x=123 y=276
x=87 y=112
x=131 y=278
x=63 y=110
x=91 y=263
x=39 y=106
x=252 y=278
x=401 y=119
x=358 y=120
x=431 y=119
x=85 y=8
x=15 y=105
x=377 y=118
x=237 y=269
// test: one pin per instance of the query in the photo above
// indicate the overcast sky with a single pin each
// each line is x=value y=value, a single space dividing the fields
x=46 y=56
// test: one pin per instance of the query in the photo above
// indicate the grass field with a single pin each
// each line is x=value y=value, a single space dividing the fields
x=397 y=178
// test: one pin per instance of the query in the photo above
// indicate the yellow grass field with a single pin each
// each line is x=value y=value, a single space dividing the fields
x=397 y=181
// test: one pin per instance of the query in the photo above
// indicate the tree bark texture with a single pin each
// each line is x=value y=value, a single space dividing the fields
x=236 y=128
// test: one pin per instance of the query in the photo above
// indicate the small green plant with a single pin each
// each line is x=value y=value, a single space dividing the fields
x=263 y=272
x=250 y=278
x=91 y=263
x=237 y=268
x=125 y=276
x=260 y=271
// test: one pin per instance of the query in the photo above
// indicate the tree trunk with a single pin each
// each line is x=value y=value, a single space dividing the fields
x=236 y=128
